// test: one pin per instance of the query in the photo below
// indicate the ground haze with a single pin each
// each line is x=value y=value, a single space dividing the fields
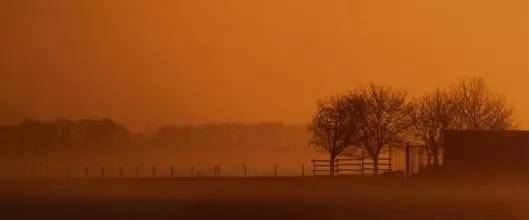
x=262 y=198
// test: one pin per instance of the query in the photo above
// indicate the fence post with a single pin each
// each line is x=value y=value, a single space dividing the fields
x=137 y=171
x=362 y=164
x=120 y=170
x=407 y=160
x=215 y=170
x=390 y=161
x=154 y=170
x=302 y=169
x=337 y=167
x=172 y=171
x=313 y=167
x=245 y=170
x=102 y=171
x=275 y=170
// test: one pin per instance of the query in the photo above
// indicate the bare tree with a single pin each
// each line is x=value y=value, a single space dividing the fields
x=478 y=107
x=430 y=115
x=468 y=105
x=335 y=124
x=385 y=119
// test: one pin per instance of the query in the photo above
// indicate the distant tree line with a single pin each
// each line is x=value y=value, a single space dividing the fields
x=373 y=117
x=45 y=139
x=234 y=135
x=31 y=137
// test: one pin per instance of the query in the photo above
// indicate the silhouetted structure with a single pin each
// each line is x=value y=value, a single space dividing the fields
x=473 y=153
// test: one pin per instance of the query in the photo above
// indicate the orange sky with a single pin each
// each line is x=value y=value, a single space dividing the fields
x=149 y=63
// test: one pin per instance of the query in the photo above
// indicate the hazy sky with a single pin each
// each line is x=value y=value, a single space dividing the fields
x=149 y=63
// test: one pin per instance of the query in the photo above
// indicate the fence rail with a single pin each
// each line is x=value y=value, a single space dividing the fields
x=407 y=159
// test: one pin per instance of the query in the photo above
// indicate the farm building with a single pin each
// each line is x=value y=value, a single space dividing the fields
x=486 y=153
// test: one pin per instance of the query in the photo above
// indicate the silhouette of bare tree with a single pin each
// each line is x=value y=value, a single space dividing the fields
x=430 y=115
x=469 y=105
x=335 y=124
x=384 y=121
x=480 y=108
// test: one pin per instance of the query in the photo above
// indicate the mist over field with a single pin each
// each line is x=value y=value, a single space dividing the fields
x=262 y=198
x=96 y=143
x=274 y=109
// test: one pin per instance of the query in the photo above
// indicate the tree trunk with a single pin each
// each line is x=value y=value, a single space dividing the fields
x=375 y=164
x=331 y=171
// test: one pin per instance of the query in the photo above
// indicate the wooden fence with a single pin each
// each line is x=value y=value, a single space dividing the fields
x=154 y=171
x=407 y=159
x=362 y=166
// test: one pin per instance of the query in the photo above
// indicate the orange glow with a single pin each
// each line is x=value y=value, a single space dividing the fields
x=148 y=63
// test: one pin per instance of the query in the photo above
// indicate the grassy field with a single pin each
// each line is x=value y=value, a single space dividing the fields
x=261 y=198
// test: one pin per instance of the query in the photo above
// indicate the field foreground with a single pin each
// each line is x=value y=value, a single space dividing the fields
x=261 y=198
